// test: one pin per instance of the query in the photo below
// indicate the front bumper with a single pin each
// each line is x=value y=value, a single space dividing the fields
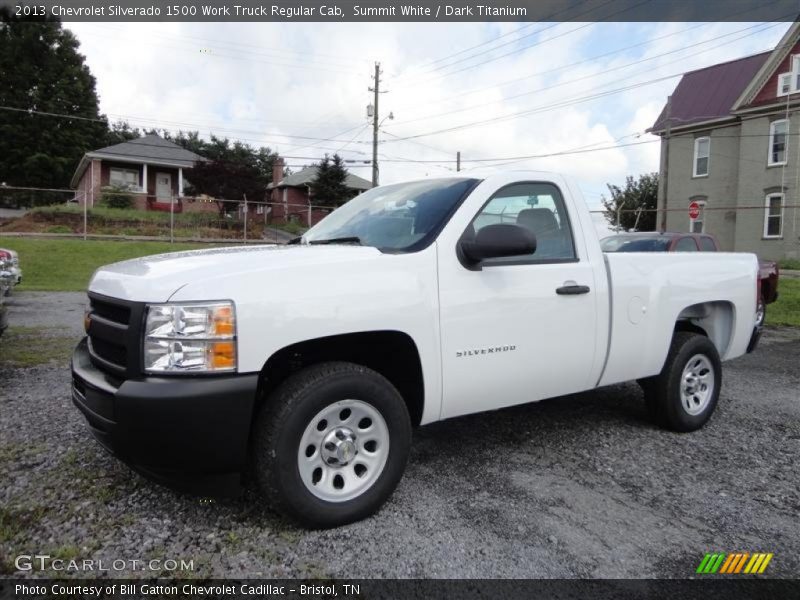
x=188 y=432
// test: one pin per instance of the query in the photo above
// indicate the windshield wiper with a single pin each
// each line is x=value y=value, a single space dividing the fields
x=339 y=240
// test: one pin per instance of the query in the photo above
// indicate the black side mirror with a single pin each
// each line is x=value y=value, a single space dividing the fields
x=499 y=240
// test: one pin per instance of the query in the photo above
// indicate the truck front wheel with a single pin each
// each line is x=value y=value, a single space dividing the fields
x=331 y=444
x=684 y=395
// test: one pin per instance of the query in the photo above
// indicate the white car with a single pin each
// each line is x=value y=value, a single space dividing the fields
x=412 y=303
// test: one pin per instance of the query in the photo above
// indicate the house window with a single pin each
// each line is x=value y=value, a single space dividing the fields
x=698 y=225
x=789 y=83
x=702 y=151
x=784 y=84
x=773 y=216
x=124 y=178
x=777 y=142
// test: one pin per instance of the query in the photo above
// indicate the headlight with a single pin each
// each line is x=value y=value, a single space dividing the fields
x=190 y=337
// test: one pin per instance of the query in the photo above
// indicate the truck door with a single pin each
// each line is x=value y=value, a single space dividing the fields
x=522 y=328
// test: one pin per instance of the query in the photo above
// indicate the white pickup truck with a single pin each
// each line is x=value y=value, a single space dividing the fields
x=308 y=364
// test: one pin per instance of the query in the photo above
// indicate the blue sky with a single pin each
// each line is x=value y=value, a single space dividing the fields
x=271 y=84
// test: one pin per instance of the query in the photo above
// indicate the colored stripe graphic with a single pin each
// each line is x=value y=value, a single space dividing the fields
x=711 y=562
x=740 y=564
x=736 y=562
x=764 y=564
x=717 y=563
x=702 y=567
x=728 y=562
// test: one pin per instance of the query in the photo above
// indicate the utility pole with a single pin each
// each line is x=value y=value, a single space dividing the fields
x=458 y=160
x=665 y=184
x=375 y=122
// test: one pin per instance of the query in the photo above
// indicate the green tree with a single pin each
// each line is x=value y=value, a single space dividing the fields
x=233 y=170
x=42 y=70
x=635 y=203
x=328 y=187
x=229 y=182
x=120 y=132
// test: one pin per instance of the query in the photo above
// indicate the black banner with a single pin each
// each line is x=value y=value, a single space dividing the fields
x=707 y=589
x=411 y=11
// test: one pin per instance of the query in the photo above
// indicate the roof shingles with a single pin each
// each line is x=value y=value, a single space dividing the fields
x=307 y=175
x=150 y=148
x=709 y=94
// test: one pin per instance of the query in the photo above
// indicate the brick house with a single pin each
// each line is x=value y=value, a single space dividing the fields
x=151 y=167
x=290 y=196
x=730 y=141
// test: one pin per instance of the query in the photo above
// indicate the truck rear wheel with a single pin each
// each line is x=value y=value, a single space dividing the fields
x=331 y=444
x=684 y=395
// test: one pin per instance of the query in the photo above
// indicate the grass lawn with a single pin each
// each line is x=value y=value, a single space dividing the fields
x=790 y=263
x=786 y=310
x=67 y=265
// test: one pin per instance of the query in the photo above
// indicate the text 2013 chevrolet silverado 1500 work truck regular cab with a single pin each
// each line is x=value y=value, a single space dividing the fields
x=309 y=363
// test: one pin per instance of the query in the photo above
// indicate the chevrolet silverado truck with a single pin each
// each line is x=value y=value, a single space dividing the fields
x=307 y=365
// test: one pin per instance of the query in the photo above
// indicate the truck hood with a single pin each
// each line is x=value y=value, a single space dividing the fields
x=157 y=278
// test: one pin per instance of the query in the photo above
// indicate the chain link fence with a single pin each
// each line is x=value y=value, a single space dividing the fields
x=149 y=217
x=770 y=229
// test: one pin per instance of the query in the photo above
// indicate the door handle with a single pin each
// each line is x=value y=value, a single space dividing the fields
x=570 y=288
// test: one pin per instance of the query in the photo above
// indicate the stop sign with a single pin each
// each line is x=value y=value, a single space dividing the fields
x=694 y=210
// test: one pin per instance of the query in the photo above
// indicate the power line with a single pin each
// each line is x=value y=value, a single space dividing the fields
x=199 y=126
x=424 y=145
x=451 y=97
x=350 y=61
x=542 y=108
x=605 y=71
x=537 y=32
x=244 y=57
x=470 y=67
x=500 y=37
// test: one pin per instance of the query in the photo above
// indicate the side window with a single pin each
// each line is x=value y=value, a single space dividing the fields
x=538 y=207
x=778 y=130
x=702 y=152
x=707 y=245
x=686 y=244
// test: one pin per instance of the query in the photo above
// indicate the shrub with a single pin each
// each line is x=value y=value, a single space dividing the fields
x=116 y=197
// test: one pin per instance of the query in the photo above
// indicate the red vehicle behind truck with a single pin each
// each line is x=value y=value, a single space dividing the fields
x=673 y=241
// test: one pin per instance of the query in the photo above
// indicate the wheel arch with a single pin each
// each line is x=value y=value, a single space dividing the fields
x=714 y=319
x=393 y=354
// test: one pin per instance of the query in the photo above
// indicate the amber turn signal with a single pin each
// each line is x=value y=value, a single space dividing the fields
x=222 y=355
x=224 y=321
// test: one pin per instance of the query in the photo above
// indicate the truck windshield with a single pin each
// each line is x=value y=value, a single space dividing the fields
x=626 y=243
x=402 y=217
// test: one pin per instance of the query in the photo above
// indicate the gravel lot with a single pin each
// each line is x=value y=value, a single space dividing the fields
x=581 y=486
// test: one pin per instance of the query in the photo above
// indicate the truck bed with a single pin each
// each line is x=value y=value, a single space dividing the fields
x=649 y=293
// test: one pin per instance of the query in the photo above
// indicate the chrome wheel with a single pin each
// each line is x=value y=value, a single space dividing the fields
x=697 y=384
x=343 y=450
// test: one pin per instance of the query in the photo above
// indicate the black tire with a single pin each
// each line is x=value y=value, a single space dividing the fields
x=287 y=413
x=663 y=392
